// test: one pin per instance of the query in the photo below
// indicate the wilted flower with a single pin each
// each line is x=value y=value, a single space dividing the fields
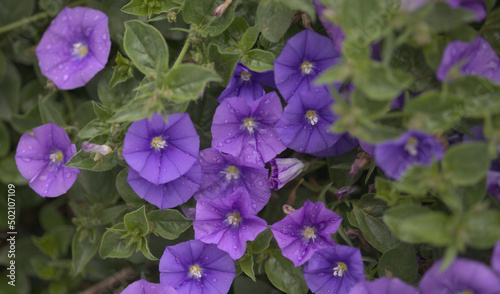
x=246 y=83
x=223 y=174
x=412 y=148
x=334 y=270
x=41 y=160
x=195 y=267
x=169 y=194
x=283 y=170
x=228 y=222
x=161 y=151
x=246 y=130
x=144 y=287
x=383 y=285
x=101 y=149
x=306 y=230
x=462 y=276
x=303 y=58
x=478 y=7
x=74 y=47
x=304 y=125
x=470 y=58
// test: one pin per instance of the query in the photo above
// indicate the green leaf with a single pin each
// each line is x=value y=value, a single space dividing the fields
x=110 y=214
x=262 y=241
x=50 y=217
x=418 y=180
x=113 y=245
x=137 y=222
x=116 y=97
x=302 y=5
x=4 y=140
x=249 y=38
x=25 y=122
x=82 y=251
x=50 y=111
x=45 y=268
x=374 y=230
x=145 y=250
x=92 y=129
x=122 y=71
x=102 y=113
x=126 y=192
x=362 y=20
x=14 y=11
x=97 y=186
x=258 y=60
x=416 y=224
x=480 y=229
x=273 y=19
x=380 y=82
x=186 y=81
x=224 y=63
x=9 y=172
x=168 y=223
x=219 y=25
x=442 y=17
x=466 y=164
x=479 y=96
x=136 y=109
x=246 y=263
x=337 y=73
x=56 y=242
x=85 y=160
x=148 y=7
x=146 y=47
x=284 y=275
x=399 y=262
x=196 y=10
x=412 y=61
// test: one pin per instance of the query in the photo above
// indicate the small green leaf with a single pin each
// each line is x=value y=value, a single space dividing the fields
x=262 y=241
x=196 y=10
x=284 y=275
x=249 y=38
x=113 y=245
x=85 y=160
x=186 y=81
x=168 y=223
x=146 y=47
x=82 y=251
x=442 y=17
x=148 y=7
x=110 y=214
x=137 y=222
x=246 y=263
x=400 y=262
x=50 y=111
x=145 y=250
x=224 y=63
x=480 y=229
x=136 y=109
x=359 y=15
x=258 y=60
x=126 y=192
x=122 y=71
x=273 y=19
x=466 y=164
x=56 y=242
x=302 y=5
x=116 y=97
x=337 y=73
x=102 y=113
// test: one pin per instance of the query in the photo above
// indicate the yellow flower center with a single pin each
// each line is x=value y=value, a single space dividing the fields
x=312 y=117
x=158 y=143
x=411 y=146
x=233 y=218
x=249 y=124
x=306 y=68
x=245 y=75
x=80 y=50
x=195 y=271
x=309 y=233
x=339 y=269
x=56 y=156
x=232 y=173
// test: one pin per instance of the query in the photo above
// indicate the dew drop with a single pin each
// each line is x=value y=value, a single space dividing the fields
x=65 y=77
x=26 y=159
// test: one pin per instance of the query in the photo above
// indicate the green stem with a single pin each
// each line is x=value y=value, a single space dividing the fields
x=22 y=22
x=69 y=103
x=179 y=59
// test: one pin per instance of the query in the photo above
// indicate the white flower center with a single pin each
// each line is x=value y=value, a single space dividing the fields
x=306 y=68
x=158 y=143
x=312 y=117
x=411 y=146
x=80 y=50
x=56 y=157
x=339 y=270
x=233 y=219
x=195 y=271
x=232 y=173
x=249 y=124
x=245 y=76
x=309 y=234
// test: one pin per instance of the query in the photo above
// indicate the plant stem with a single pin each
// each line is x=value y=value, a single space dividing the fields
x=179 y=59
x=22 y=22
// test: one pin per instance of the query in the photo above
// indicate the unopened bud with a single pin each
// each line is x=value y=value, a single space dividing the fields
x=287 y=209
x=172 y=17
x=100 y=149
x=221 y=8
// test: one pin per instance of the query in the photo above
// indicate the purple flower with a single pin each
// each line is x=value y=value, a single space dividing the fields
x=195 y=267
x=304 y=125
x=303 y=58
x=334 y=270
x=478 y=7
x=412 y=148
x=283 y=170
x=247 y=84
x=368 y=148
x=169 y=194
x=473 y=58
x=306 y=230
x=223 y=174
x=383 y=285
x=334 y=31
x=493 y=183
x=246 y=130
x=462 y=276
x=161 y=151
x=144 y=287
x=74 y=47
x=41 y=160
x=495 y=258
x=228 y=222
